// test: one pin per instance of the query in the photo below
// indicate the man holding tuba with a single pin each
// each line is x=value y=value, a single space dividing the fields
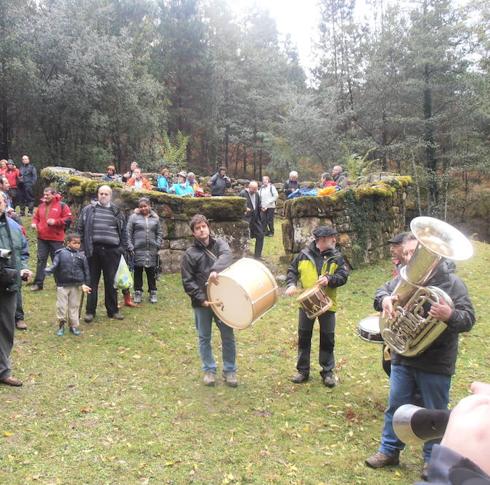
x=429 y=370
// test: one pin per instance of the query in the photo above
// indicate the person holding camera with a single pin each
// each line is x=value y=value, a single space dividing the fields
x=13 y=266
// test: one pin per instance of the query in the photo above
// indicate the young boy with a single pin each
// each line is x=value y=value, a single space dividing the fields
x=70 y=267
x=319 y=263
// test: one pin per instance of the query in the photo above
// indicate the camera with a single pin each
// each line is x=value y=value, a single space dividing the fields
x=5 y=253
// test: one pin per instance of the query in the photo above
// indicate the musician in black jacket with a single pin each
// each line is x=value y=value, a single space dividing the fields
x=431 y=370
x=253 y=216
x=200 y=266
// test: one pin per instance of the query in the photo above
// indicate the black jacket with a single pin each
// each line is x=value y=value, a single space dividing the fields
x=28 y=174
x=197 y=264
x=70 y=268
x=440 y=357
x=290 y=186
x=219 y=184
x=253 y=216
x=86 y=225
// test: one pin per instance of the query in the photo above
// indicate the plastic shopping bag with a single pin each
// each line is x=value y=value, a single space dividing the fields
x=123 y=279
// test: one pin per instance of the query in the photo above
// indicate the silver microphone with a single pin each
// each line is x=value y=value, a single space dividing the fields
x=413 y=424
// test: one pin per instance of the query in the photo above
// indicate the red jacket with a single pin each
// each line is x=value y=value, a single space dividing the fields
x=12 y=177
x=58 y=211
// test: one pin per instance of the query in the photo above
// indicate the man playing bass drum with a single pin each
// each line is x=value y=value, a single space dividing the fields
x=319 y=263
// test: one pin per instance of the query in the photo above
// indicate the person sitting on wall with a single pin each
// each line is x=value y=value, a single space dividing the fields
x=292 y=183
x=181 y=188
x=164 y=180
x=340 y=177
x=129 y=174
x=327 y=180
x=138 y=182
x=192 y=181
x=111 y=175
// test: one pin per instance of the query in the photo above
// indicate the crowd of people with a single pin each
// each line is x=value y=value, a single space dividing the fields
x=92 y=247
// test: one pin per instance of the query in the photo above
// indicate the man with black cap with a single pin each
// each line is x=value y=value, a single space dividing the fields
x=318 y=264
x=396 y=251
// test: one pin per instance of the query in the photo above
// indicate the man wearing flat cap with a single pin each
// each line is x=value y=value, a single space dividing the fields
x=320 y=263
x=396 y=251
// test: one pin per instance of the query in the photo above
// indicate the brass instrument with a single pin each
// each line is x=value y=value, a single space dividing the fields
x=412 y=330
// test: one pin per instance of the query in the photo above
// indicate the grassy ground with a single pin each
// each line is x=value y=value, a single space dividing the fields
x=124 y=403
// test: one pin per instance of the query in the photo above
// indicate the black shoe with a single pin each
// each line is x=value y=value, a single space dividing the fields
x=89 y=317
x=329 y=380
x=116 y=316
x=36 y=288
x=299 y=378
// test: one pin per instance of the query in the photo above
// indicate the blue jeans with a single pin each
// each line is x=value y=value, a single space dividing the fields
x=434 y=389
x=204 y=321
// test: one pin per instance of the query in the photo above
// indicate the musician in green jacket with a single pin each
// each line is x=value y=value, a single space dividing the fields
x=320 y=263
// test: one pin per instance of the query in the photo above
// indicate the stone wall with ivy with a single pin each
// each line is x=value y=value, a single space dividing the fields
x=365 y=215
x=225 y=213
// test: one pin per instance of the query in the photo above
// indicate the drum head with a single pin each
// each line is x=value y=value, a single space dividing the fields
x=369 y=331
x=238 y=313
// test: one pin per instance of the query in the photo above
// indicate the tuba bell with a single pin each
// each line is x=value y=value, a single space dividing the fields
x=411 y=330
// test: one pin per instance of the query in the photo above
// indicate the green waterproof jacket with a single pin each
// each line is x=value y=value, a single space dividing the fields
x=17 y=243
x=310 y=264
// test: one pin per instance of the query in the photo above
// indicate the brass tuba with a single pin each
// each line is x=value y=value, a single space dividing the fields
x=412 y=330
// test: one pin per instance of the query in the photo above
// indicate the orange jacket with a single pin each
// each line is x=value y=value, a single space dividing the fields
x=146 y=183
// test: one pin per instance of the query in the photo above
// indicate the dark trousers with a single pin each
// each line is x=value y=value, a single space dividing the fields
x=150 y=276
x=105 y=260
x=8 y=300
x=26 y=198
x=44 y=249
x=259 y=245
x=268 y=221
x=19 y=310
x=327 y=342
x=14 y=197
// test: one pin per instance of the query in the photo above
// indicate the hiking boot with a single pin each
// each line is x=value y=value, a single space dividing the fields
x=153 y=296
x=329 y=380
x=209 y=379
x=137 y=296
x=75 y=331
x=380 y=460
x=128 y=302
x=36 y=287
x=89 y=317
x=299 y=378
x=20 y=325
x=116 y=316
x=230 y=379
x=11 y=381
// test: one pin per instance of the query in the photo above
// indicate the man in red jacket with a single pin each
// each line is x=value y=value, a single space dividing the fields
x=50 y=221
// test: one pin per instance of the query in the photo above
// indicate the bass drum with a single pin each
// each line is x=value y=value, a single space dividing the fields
x=368 y=329
x=245 y=291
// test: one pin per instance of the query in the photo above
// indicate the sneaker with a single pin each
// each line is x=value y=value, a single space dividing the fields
x=230 y=379
x=329 y=380
x=209 y=379
x=116 y=316
x=36 y=288
x=153 y=297
x=380 y=460
x=137 y=296
x=299 y=378
x=75 y=331
x=89 y=317
x=60 y=332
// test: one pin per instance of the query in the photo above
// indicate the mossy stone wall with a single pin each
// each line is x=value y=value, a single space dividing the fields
x=225 y=213
x=365 y=215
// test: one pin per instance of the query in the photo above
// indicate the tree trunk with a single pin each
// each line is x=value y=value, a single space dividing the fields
x=430 y=149
x=227 y=140
x=4 y=146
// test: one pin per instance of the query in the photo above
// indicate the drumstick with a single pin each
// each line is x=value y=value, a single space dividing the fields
x=216 y=302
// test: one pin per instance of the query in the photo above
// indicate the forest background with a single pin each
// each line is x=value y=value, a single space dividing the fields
x=87 y=82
